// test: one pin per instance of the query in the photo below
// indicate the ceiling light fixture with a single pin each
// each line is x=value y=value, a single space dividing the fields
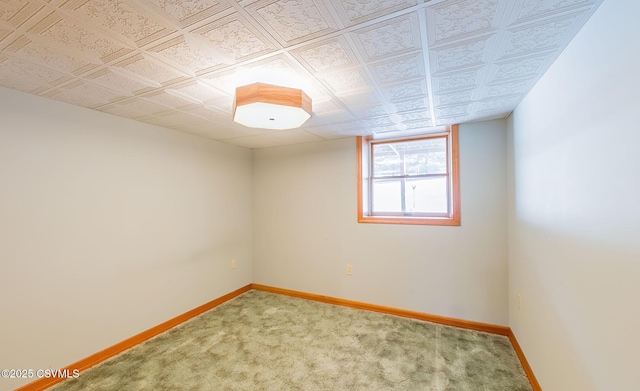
x=266 y=106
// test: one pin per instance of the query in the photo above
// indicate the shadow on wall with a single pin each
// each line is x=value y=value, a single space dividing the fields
x=579 y=296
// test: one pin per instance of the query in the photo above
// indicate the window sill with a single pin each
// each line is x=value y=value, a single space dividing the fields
x=410 y=220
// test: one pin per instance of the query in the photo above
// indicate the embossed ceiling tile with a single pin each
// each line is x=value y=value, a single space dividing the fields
x=47 y=56
x=487 y=116
x=329 y=133
x=372 y=111
x=188 y=12
x=167 y=99
x=411 y=104
x=15 y=12
x=145 y=106
x=118 y=82
x=4 y=32
x=343 y=130
x=358 y=11
x=406 y=90
x=398 y=69
x=223 y=105
x=122 y=18
x=16 y=44
x=209 y=113
x=497 y=90
x=387 y=128
x=360 y=99
x=504 y=104
x=344 y=127
x=461 y=19
x=346 y=81
x=326 y=106
x=530 y=9
x=199 y=91
x=84 y=94
x=78 y=38
x=454 y=98
x=452 y=111
x=170 y=119
x=520 y=68
x=452 y=120
x=174 y=120
x=43 y=23
x=115 y=110
x=392 y=37
x=419 y=124
x=329 y=118
x=414 y=116
x=274 y=138
x=9 y=8
x=461 y=55
x=385 y=120
x=550 y=35
x=264 y=68
x=315 y=90
x=455 y=81
x=191 y=57
x=293 y=21
x=226 y=81
x=132 y=109
x=149 y=68
x=23 y=76
x=238 y=40
x=326 y=56
x=278 y=70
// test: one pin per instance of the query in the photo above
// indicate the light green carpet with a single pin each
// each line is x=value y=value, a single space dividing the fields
x=263 y=341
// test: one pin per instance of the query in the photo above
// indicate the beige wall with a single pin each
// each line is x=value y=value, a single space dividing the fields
x=305 y=232
x=574 y=237
x=109 y=227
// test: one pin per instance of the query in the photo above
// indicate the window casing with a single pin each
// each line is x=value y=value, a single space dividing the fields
x=409 y=180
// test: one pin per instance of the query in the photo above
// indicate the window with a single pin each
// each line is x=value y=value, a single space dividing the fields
x=409 y=180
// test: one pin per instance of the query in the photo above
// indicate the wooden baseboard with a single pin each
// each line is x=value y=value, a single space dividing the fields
x=109 y=352
x=94 y=359
x=523 y=360
x=465 y=324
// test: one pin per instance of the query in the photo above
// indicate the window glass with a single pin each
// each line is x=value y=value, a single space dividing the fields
x=426 y=195
x=387 y=196
x=386 y=161
x=409 y=180
x=418 y=157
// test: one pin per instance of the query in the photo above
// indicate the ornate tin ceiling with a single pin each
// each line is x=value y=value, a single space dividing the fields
x=370 y=66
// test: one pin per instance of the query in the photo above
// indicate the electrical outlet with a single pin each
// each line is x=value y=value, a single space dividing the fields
x=349 y=270
x=519 y=302
x=233 y=263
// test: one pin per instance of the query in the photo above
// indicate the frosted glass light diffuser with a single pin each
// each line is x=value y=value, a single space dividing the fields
x=267 y=106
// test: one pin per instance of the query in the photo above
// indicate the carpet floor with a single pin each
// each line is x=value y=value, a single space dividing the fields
x=262 y=341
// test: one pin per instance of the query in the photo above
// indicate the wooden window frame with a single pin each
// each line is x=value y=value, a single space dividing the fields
x=451 y=219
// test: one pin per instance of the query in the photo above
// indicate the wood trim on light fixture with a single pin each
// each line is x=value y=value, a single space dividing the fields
x=266 y=106
x=269 y=93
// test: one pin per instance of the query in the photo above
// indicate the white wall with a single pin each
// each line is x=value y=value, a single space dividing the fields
x=109 y=227
x=306 y=232
x=574 y=235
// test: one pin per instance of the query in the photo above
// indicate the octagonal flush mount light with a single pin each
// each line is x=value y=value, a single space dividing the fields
x=266 y=106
